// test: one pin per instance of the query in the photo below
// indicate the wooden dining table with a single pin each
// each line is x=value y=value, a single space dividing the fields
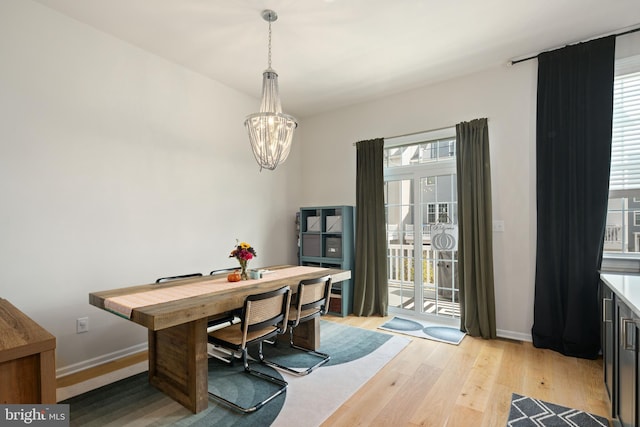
x=176 y=313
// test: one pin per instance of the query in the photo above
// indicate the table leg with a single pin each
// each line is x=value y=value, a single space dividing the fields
x=178 y=363
x=48 y=376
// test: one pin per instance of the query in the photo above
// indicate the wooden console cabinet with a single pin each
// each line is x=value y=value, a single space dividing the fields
x=27 y=359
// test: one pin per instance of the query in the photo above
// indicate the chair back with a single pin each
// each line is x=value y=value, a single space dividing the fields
x=184 y=276
x=222 y=271
x=312 y=298
x=266 y=309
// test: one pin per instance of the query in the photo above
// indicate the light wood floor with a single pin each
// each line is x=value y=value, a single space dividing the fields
x=437 y=384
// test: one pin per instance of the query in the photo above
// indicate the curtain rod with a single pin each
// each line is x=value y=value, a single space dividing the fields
x=517 y=61
x=414 y=133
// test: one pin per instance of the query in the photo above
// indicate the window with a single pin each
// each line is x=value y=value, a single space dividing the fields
x=623 y=216
x=443 y=212
x=441 y=216
x=431 y=213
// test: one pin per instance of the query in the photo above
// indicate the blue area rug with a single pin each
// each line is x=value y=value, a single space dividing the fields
x=357 y=354
x=424 y=329
x=529 y=412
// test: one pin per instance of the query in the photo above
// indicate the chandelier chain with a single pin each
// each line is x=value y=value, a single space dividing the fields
x=269 y=44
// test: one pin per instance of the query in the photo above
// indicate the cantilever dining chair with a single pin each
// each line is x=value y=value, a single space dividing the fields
x=311 y=301
x=263 y=317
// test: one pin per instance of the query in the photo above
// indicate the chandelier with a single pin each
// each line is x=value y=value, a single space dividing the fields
x=270 y=130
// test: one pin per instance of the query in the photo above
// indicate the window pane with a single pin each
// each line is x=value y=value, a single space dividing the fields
x=625 y=143
x=622 y=233
x=423 y=152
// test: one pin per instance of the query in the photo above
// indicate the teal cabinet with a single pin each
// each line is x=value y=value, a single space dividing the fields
x=327 y=236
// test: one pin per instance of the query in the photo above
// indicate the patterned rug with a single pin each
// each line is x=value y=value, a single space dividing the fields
x=356 y=355
x=424 y=329
x=529 y=412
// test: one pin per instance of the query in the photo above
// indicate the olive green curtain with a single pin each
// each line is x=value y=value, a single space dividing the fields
x=370 y=285
x=475 y=245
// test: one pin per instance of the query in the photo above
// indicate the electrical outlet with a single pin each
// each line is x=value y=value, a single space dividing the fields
x=82 y=325
x=498 y=226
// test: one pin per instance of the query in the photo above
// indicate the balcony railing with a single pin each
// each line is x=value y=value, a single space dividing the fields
x=613 y=238
x=439 y=280
x=438 y=269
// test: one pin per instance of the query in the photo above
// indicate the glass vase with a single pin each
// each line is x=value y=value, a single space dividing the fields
x=243 y=270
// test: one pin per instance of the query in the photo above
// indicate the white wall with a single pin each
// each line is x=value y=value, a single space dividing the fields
x=506 y=96
x=118 y=167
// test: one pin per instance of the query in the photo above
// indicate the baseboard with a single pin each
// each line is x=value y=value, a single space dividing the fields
x=518 y=336
x=96 y=361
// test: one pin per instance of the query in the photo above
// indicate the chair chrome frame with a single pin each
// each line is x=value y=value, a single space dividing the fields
x=312 y=300
x=263 y=317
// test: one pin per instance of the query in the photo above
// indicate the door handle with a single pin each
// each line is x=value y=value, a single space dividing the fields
x=624 y=321
x=606 y=302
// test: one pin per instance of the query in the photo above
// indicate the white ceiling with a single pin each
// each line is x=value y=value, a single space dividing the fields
x=331 y=53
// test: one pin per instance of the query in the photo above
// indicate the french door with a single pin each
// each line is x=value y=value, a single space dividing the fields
x=422 y=216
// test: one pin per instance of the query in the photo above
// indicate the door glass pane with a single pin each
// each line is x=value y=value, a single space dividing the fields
x=400 y=235
x=439 y=245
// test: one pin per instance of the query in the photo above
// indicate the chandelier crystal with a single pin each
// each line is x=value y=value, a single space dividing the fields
x=270 y=130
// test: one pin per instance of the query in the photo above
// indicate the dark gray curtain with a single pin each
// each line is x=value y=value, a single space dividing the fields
x=370 y=290
x=475 y=243
x=573 y=156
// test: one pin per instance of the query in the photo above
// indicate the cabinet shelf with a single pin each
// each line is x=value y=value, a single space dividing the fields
x=327 y=237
